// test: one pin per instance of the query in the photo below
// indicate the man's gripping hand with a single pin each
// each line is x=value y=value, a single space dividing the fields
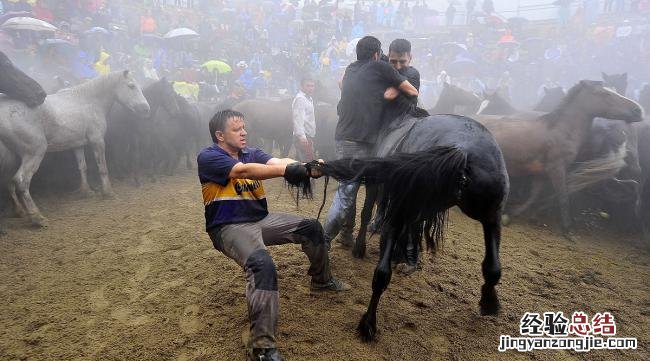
x=296 y=174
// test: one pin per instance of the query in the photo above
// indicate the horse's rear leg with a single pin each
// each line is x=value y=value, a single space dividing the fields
x=535 y=190
x=84 y=188
x=558 y=180
x=18 y=207
x=22 y=180
x=359 y=250
x=367 y=327
x=100 y=158
x=491 y=267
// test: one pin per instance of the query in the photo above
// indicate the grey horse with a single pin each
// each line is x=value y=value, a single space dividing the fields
x=69 y=119
x=16 y=85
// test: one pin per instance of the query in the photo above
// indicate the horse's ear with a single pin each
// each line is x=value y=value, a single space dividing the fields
x=624 y=75
x=605 y=76
x=545 y=89
x=126 y=73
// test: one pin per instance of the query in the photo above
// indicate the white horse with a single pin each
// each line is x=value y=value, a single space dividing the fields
x=69 y=119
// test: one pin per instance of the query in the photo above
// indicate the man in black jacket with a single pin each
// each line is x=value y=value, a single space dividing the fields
x=360 y=110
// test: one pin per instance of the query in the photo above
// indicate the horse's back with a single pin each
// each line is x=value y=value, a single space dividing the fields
x=488 y=183
x=461 y=132
x=448 y=130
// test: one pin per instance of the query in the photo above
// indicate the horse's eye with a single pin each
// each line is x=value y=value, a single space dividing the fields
x=132 y=86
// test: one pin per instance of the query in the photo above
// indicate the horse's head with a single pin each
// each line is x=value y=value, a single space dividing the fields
x=129 y=94
x=452 y=96
x=162 y=94
x=17 y=85
x=494 y=104
x=551 y=99
x=606 y=103
x=616 y=81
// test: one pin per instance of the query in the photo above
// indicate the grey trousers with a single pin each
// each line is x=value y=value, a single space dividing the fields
x=246 y=243
x=340 y=216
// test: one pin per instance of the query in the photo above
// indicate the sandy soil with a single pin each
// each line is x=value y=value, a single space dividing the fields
x=137 y=278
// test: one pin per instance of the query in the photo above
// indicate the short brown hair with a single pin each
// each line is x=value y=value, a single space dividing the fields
x=218 y=121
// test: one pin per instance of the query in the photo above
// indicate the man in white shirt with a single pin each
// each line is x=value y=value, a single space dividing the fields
x=304 y=121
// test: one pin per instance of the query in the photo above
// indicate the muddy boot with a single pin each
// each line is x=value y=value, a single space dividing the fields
x=411 y=257
x=264 y=354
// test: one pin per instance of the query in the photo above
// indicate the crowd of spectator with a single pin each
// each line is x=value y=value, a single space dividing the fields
x=268 y=46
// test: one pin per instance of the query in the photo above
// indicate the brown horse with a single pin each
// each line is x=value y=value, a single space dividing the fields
x=269 y=121
x=544 y=146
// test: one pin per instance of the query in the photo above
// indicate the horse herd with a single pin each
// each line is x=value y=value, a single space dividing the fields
x=469 y=162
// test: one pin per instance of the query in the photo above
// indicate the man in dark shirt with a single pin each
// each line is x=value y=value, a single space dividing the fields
x=399 y=56
x=363 y=99
x=240 y=226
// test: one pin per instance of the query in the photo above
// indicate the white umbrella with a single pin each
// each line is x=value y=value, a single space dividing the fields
x=27 y=23
x=180 y=32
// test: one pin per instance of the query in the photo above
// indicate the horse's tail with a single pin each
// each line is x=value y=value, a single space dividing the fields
x=418 y=188
x=596 y=170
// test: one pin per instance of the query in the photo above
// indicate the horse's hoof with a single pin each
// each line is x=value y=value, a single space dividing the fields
x=86 y=192
x=20 y=213
x=367 y=329
x=505 y=220
x=109 y=195
x=38 y=221
x=489 y=302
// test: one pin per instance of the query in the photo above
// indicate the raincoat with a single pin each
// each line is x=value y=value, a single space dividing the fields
x=101 y=66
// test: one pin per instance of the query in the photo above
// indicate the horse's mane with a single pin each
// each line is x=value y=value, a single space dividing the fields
x=103 y=82
x=556 y=114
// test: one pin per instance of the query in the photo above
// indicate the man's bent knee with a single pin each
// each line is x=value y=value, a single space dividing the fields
x=312 y=230
x=261 y=265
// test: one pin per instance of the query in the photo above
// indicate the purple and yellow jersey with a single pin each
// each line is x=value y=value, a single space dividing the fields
x=229 y=200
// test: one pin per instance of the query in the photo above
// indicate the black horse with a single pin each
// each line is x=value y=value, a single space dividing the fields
x=428 y=165
x=17 y=85
x=130 y=139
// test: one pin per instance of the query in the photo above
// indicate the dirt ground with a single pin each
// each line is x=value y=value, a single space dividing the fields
x=136 y=278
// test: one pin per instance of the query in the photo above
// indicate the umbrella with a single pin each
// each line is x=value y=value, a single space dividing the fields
x=97 y=30
x=181 y=33
x=453 y=48
x=26 y=23
x=351 y=48
x=217 y=65
x=13 y=14
x=461 y=66
x=62 y=46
